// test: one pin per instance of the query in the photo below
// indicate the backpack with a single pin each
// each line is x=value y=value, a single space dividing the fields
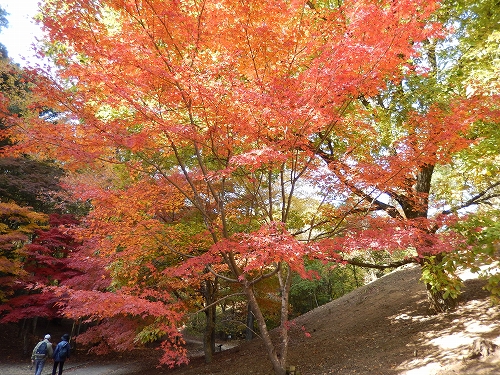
x=41 y=350
x=63 y=351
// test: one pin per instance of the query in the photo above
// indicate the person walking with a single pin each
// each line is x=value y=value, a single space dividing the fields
x=41 y=352
x=61 y=353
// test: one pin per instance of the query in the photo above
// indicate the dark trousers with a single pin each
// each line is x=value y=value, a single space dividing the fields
x=60 y=364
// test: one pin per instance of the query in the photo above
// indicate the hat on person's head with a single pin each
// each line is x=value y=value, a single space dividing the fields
x=47 y=337
x=65 y=337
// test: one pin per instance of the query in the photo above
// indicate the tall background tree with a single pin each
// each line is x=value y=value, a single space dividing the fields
x=421 y=135
x=34 y=246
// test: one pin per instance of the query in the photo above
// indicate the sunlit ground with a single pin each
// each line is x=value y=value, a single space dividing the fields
x=446 y=348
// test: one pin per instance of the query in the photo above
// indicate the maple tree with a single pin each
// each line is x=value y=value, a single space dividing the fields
x=17 y=223
x=31 y=183
x=149 y=217
x=231 y=109
x=42 y=258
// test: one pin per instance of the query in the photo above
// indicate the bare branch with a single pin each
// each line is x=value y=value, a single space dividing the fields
x=218 y=301
x=397 y=264
x=374 y=203
x=480 y=198
x=267 y=275
x=212 y=271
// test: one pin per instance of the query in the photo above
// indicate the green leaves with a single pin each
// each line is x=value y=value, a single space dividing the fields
x=439 y=274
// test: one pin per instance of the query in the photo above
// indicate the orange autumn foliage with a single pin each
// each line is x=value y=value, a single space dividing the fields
x=217 y=110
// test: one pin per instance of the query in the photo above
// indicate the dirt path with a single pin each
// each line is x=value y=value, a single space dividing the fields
x=77 y=368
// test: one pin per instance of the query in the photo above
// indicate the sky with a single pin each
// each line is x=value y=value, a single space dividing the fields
x=22 y=31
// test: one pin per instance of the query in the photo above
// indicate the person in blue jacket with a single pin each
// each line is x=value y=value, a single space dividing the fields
x=61 y=354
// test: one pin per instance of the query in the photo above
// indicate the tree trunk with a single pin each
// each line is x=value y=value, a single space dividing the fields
x=209 y=334
x=25 y=334
x=35 y=323
x=75 y=330
x=264 y=332
x=250 y=325
x=437 y=302
x=209 y=293
x=285 y=279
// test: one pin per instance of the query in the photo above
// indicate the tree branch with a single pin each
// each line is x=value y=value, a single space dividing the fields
x=218 y=301
x=372 y=201
x=476 y=199
x=397 y=264
x=267 y=275
x=220 y=276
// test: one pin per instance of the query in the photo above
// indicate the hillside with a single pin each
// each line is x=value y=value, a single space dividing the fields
x=382 y=328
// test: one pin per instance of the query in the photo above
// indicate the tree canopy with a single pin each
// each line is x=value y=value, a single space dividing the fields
x=197 y=129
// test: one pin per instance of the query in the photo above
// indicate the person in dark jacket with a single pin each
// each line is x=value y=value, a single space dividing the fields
x=61 y=353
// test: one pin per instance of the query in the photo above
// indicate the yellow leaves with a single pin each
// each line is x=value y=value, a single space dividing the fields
x=111 y=20
x=10 y=267
x=16 y=225
x=485 y=62
x=22 y=219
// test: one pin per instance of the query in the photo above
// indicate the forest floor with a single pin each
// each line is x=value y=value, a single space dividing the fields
x=383 y=328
